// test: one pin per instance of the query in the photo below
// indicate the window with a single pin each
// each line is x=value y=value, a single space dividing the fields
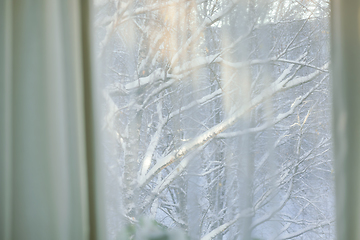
x=219 y=117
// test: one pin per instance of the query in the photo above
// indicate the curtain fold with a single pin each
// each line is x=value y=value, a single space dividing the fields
x=5 y=119
x=49 y=186
x=346 y=114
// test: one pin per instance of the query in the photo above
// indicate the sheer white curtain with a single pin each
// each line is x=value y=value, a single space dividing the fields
x=48 y=141
x=220 y=114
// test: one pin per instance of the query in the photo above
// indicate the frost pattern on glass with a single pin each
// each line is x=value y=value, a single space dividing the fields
x=218 y=117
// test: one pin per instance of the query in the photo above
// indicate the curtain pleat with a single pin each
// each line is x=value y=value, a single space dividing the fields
x=345 y=21
x=5 y=119
x=49 y=185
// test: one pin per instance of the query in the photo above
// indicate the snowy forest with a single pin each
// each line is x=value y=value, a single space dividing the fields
x=217 y=117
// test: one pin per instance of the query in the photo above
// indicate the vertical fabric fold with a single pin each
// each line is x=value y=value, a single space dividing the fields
x=45 y=148
x=345 y=26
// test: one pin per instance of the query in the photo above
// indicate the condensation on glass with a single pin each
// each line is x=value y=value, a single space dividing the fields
x=217 y=117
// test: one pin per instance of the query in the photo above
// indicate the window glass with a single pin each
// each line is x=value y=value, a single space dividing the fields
x=217 y=117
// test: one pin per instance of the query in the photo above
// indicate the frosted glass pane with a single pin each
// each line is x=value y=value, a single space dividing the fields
x=217 y=117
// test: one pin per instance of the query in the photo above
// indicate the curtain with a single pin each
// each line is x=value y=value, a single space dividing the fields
x=346 y=114
x=49 y=186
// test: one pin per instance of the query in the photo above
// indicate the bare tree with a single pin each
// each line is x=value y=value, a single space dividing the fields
x=220 y=112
